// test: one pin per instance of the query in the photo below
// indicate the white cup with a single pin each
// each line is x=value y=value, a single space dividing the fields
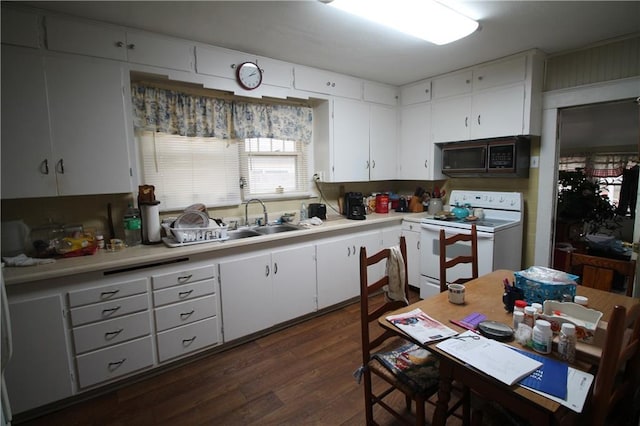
x=479 y=213
x=456 y=293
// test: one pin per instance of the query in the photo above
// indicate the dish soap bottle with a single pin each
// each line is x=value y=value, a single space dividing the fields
x=303 y=212
x=132 y=226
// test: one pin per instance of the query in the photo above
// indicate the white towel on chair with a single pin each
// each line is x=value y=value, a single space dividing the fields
x=397 y=279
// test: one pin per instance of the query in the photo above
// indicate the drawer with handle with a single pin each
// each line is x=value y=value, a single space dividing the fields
x=183 y=292
x=186 y=312
x=108 y=310
x=106 y=333
x=105 y=293
x=182 y=277
x=114 y=361
x=188 y=338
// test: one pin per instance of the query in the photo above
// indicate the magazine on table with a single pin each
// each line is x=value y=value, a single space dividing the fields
x=421 y=326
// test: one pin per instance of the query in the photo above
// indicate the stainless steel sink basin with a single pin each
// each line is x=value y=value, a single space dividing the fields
x=242 y=233
x=274 y=229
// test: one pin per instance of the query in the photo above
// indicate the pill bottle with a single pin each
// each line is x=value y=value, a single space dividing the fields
x=529 y=316
x=518 y=318
x=519 y=305
x=567 y=342
x=581 y=300
x=538 y=307
x=542 y=336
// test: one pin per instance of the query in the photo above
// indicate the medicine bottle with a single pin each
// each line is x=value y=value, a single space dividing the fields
x=529 y=316
x=518 y=318
x=567 y=342
x=542 y=336
x=538 y=307
x=519 y=305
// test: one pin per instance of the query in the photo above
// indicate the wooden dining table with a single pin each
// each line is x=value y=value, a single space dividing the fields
x=484 y=295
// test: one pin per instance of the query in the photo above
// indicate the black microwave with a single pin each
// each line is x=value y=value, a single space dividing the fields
x=499 y=157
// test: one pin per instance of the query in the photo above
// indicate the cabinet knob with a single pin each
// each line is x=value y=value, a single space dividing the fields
x=131 y=46
x=478 y=119
x=60 y=166
x=119 y=43
x=115 y=364
x=184 y=278
x=275 y=268
x=187 y=342
x=480 y=78
x=468 y=81
x=44 y=167
x=466 y=122
x=373 y=164
x=184 y=315
x=233 y=66
x=328 y=84
x=425 y=164
x=426 y=90
x=333 y=85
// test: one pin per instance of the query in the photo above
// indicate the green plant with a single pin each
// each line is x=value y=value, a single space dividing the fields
x=582 y=200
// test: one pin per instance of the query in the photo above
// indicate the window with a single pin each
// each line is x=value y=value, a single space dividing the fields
x=273 y=167
x=187 y=170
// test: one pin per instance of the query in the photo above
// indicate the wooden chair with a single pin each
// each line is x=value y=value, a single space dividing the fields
x=598 y=272
x=470 y=258
x=616 y=389
x=384 y=340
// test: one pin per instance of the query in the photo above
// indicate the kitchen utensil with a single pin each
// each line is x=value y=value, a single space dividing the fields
x=435 y=206
x=192 y=219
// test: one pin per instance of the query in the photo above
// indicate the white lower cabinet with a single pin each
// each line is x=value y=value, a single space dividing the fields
x=39 y=370
x=338 y=266
x=261 y=290
x=186 y=339
x=114 y=361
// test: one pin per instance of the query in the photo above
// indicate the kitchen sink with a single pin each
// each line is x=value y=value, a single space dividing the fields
x=274 y=229
x=242 y=233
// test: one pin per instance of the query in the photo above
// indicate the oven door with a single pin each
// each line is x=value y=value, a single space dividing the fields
x=430 y=252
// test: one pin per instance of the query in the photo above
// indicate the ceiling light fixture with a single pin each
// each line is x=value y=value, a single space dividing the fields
x=425 y=19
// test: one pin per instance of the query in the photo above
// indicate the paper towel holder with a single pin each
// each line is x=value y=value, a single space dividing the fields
x=150 y=213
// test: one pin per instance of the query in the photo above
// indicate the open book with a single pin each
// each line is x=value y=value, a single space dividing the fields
x=421 y=326
x=490 y=357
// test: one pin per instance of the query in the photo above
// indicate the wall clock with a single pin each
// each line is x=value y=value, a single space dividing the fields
x=249 y=75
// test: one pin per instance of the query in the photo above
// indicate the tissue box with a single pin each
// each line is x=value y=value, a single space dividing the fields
x=539 y=284
x=586 y=320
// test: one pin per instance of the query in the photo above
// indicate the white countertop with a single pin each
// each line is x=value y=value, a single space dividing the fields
x=143 y=254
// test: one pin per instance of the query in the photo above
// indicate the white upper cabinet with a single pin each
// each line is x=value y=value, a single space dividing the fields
x=320 y=81
x=383 y=148
x=350 y=141
x=113 y=42
x=380 y=93
x=88 y=126
x=415 y=93
x=491 y=100
x=417 y=159
x=27 y=157
x=20 y=28
x=276 y=73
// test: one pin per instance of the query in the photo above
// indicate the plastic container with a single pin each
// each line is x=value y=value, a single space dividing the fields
x=542 y=337
x=304 y=213
x=518 y=318
x=519 y=305
x=132 y=226
x=538 y=307
x=529 y=316
x=382 y=203
x=567 y=342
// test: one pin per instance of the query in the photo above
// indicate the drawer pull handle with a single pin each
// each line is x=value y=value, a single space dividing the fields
x=183 y=294
x=184 y=278
x=110 y=311
x=114 y=365
x=187 y=342
x=112 y=334
x=185 y=315
x=107 y=294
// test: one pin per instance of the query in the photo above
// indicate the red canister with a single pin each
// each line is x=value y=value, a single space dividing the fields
x=382 y=203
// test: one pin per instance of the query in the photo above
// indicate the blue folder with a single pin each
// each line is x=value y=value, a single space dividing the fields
x=550 y=378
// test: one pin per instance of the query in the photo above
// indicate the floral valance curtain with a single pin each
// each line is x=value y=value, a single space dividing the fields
x=168 y=111
x=599 y=165
x=288 y=122
x=175 y=113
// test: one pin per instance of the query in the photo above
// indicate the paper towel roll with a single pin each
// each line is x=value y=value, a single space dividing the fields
x=150 y=223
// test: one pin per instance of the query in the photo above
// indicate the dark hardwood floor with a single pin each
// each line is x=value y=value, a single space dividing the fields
x=299 y=375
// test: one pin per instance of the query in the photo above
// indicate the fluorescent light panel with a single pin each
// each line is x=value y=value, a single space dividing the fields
x=425 y=19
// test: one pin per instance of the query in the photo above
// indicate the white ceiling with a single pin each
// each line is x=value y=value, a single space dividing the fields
x=311 y=33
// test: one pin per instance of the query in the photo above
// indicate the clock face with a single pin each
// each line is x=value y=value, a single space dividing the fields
x=249 y=75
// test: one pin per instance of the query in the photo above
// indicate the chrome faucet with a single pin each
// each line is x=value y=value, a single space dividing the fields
x=246 y=208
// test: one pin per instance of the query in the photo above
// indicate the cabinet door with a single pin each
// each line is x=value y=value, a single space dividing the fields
x=20 y=28
x=220 y=62
x=338 y=267
x=350 y=141
x=90 y=39
x=498 y=112
x=500 y=73
x=383 y=150
x=160 y=51
x=38 y=372
x=247 y=296
x=320 y=81
x=88 y=125
x=27 y=160
x=451 y=118
x=412 y=239
x=380 y=93
x=454 y=84
x=294 y=282
x=416 y=93
x=416 y=149
x=276 y=73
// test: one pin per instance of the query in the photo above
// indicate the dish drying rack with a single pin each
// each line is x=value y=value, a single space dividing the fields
x=186 y=236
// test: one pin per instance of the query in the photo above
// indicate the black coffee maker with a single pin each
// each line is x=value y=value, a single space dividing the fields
x=353 y=206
